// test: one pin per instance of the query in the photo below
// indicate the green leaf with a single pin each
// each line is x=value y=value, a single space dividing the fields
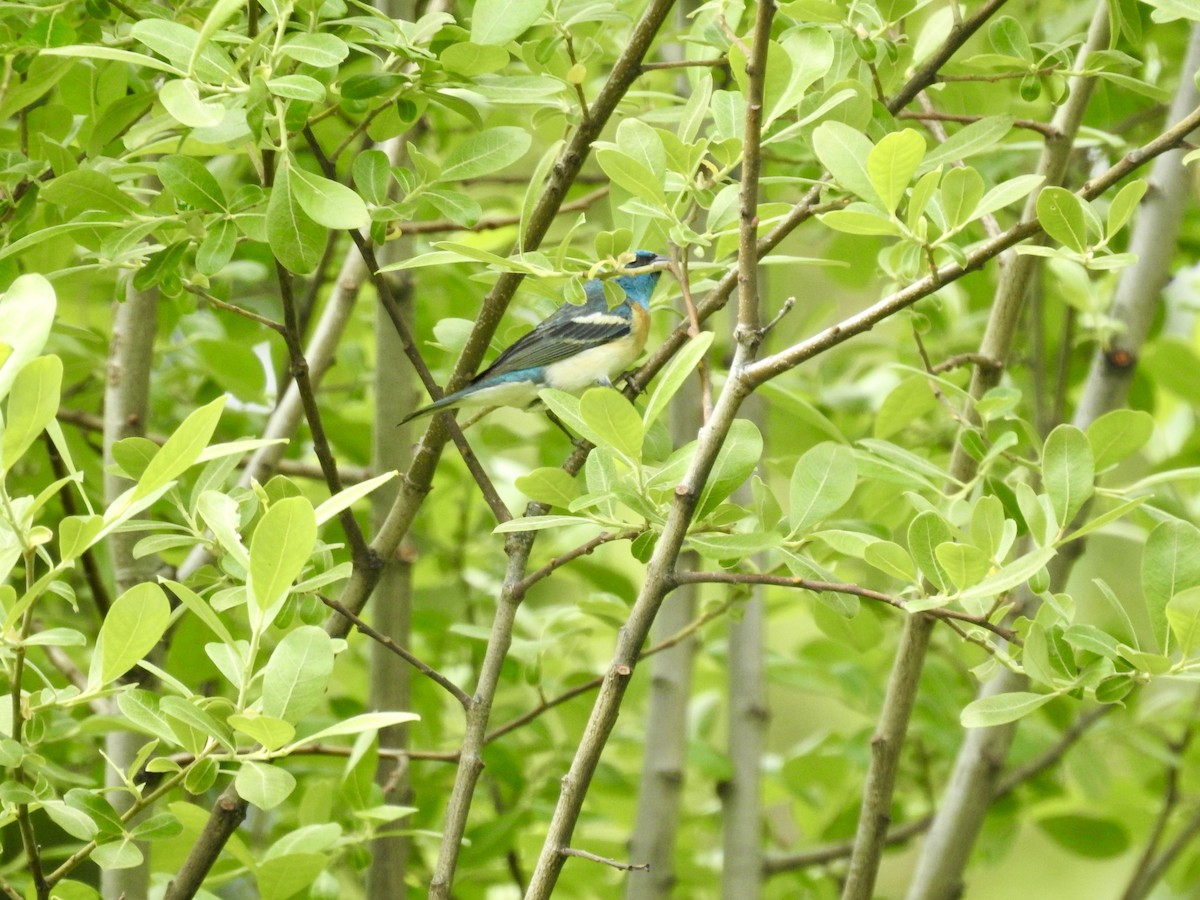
x=296 y=240
x=182 y=448
x=364 y=722
x=200 y=608
x=566 y=407
x=1009 y=576
x=860 y=218
x=999 y=709
x=122 y=854
x=222 y=11
x=87 y=190
x=471 y=59
x=1170 y=565
x=282 y=544
x=181 y=99
x=1008 y=37
x=327 y=202
x=74 y=822
x=539 y=523
x=264 y=785
x=1123 y=206
x=922 y=193
x=372 y=174
x=988 y=525
x=345 y=498
x=26 y=314
x=736 y=459
x=157 y=828
x=95 y=51
x=612 y=419
x=321 y=50
x=216 y=250
x=76 y=534
x=844 y=151
x=485 y=153
x=56 y=637
x=280 y=877
x=186 y=714
x=142 y=709
x=135 y=623
x=738 y=545
x=220 y=514
x=978 y=137
x=630 y=174
x=297 y=674
x=178 y=43
x=964 y=564
x=1008 y=192
x=549 y=485
x=188 y=179
x=1183 y=615
x=1090 y=837
x=674 y=374
x=822 y=482
x=1062 y=216
x=500 y=21
x=297 y=87
x=892 y=163
x=1118 y=434
x=890 y=557
x=201 y=775
x=962 y=189
x=925 y=533
x=32 y=403
x=1068 y=472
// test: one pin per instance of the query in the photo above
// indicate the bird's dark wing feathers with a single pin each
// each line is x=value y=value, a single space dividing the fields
x=562 y=335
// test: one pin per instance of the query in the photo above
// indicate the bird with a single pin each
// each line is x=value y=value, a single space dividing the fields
x=575 y=347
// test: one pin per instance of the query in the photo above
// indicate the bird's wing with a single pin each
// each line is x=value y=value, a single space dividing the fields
x=570 y=329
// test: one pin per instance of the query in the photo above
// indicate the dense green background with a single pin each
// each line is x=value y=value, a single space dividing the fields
x=194 y=165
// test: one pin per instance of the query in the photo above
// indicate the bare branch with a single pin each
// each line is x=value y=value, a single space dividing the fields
x=429 y=672
x=616 y=864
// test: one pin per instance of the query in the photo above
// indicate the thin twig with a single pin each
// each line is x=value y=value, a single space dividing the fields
x=208 y=298
x=362 y=553
x=720 y=61
x=91 y=568
x=616 y=864
x=1043 y=128
x=964 y=359
x=428 y=671
x=583 y=549
x=996 y=76
x=808 y=584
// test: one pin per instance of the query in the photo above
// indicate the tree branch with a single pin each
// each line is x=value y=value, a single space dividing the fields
x=429 y=672
x=228 y=812
x=362 y=554
x=808 y=584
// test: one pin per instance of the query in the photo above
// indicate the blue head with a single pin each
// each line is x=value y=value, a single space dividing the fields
x=639 y=287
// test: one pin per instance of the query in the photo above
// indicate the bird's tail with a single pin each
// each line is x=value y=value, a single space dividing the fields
x=450 y=400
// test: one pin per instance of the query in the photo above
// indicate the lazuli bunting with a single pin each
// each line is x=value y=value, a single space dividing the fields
x=576 y=347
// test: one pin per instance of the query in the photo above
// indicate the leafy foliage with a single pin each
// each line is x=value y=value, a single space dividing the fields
x=224 y=159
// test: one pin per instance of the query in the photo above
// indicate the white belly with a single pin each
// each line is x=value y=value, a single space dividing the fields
x=595 y=366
